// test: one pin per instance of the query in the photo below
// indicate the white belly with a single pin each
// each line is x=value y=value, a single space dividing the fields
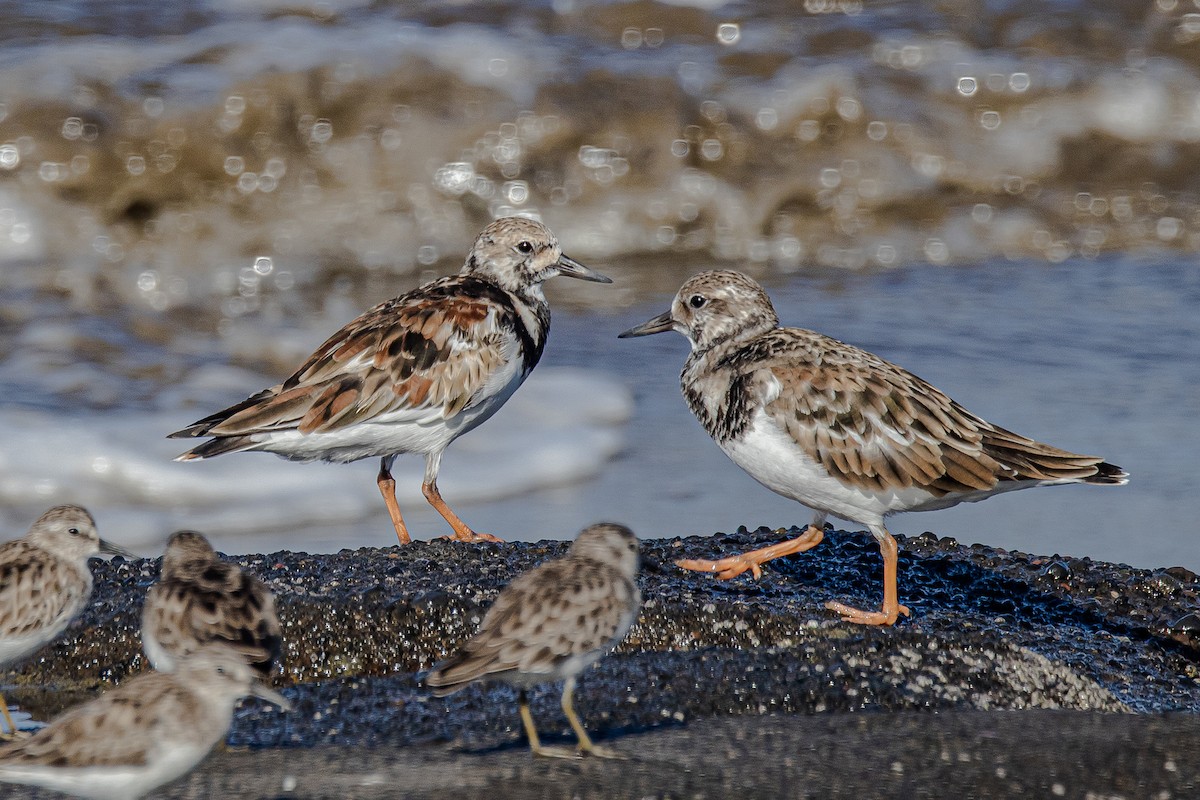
x=420 y=431
x=773 y=459
x=111 y=783
x=159 y=658
x=15 y=648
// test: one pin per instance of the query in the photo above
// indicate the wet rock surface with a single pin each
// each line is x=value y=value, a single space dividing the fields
x=902 y=755
x=989 y=630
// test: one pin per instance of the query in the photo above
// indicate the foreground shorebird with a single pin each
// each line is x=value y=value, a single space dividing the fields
x=45 y=582
x=412 y=374
x=199 y=599
x=550 y=624
x=839 y=429
x=142 y=734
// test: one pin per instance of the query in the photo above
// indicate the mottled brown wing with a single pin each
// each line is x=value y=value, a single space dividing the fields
x=560 y=609
x=35 y=589
x=222 y=603
x=880 y=427
x=107 y=732
x=430 y=351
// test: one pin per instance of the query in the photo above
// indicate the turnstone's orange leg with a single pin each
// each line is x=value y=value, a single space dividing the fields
x=732 y=566
x=892 y=609
x=387 y=488
x=462 y=533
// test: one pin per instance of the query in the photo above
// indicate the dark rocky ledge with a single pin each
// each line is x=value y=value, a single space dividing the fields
x=746 y=685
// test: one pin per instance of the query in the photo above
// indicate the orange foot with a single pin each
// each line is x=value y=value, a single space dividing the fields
x=856 y=615
x=732 y=566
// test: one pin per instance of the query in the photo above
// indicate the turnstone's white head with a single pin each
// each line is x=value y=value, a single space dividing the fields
x=714 y=307
x=519 y=253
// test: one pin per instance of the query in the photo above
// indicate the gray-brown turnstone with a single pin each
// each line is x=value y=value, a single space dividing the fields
x=840 y=430
x=146 y=732
x=550 y=624
x=412 y=374
x=199 y=599
x=45 y=582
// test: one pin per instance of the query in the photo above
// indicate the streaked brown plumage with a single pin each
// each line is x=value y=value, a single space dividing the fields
x=45 y=582
x=840 y=429
x=551 y=623
x=199 y=599
x=136 y=737
x=413 y=373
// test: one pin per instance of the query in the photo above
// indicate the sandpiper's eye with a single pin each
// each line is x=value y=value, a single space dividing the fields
x=73 y=531
x=525 y=247
x=697 y=301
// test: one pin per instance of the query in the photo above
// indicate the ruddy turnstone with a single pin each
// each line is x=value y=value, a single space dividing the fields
x=45 y=582
x=839 y=429
x=550 y=624
x=412 y=374
x=142 y=734
x=198 y=599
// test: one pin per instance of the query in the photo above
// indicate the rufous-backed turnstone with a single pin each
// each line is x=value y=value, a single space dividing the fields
x=412 y=374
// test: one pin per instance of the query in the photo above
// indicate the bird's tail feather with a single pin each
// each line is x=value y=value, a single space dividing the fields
x=459 y=670
x=218 y=447
x=1108 y=475
x=1033 y=460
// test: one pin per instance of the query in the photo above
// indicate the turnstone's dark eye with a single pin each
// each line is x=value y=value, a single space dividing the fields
x=525 y=247
x=73 y=531
x=697 y=301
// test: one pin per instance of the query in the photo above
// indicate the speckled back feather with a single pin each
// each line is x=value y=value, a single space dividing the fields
x=200 y=598
x=37 y=588
x=580 y=604
x=434 y=347
x=870 y=422
x=91 y=735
